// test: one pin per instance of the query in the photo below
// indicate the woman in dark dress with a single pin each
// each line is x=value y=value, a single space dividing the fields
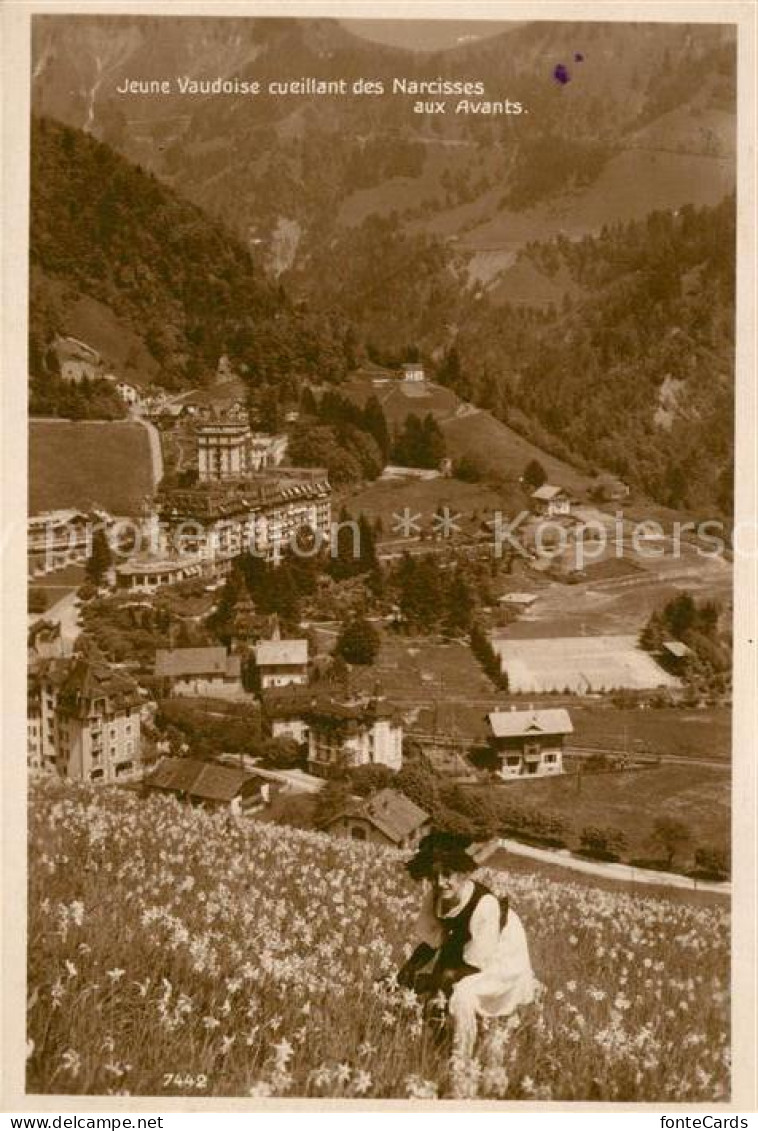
x=471 y=945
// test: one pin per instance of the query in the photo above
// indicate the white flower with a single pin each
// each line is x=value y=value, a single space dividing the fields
x=71 y=1061
x=283 y=1051
x=342 y=1073
x=362 y=1082
x=261 y=1089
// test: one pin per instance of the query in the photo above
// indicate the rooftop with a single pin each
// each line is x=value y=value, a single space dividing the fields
x=389 y=811
x=677 y=648
x=146 y=564
x=548 y=491
x=205 y=780
x=196 y=661
x=518 y=724
x=279 y=652
x=81 y=680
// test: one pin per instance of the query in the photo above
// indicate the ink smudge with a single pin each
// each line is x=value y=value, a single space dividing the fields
x=561 y=74
x=578 y=57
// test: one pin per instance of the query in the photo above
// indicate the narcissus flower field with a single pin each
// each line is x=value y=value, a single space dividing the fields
x=174 y=952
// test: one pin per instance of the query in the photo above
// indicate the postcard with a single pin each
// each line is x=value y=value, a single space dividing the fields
x=387 y=675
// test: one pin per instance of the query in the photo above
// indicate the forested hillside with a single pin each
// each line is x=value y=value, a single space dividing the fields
x=288 y=172
x=633 y=374
x=169 y=276
x=637 y=375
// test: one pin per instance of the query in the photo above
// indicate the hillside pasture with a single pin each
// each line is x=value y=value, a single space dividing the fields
x=419 y=670
x=632 y=800
x=88 y=463
x=400 y=398
x=504 y=451
x=705 y=734
x=385 y=499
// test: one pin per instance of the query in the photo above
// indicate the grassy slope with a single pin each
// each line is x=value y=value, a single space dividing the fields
x=477 y=433
x=209 y=944
x=706 y=734
x=632 y=801
x=388 y=497
x=502 y=450
x=88 y=463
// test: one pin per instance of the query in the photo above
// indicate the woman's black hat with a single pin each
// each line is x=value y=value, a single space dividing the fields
x=441 y=851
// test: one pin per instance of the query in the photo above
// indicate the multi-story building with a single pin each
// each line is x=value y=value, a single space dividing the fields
x=83 y=720
x=223 y=450
x=342 y=735
x=529 y=743
x=263 y=514
x=267 y=450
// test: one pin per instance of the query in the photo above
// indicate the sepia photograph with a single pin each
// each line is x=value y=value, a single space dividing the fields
x=380 y=558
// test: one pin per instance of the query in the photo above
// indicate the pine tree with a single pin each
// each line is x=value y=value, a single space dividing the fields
x=375 y=423
x=99 y=561
x=358 y=642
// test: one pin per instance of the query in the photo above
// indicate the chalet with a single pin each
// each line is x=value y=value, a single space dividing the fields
x=550 y=500
x=388 y=818
x=529 y=743
x=412 y=371
x=342 y=735
x=207 y=783
x=132 y=393
x=281 y=662
x=209 y=672
x=56 y=539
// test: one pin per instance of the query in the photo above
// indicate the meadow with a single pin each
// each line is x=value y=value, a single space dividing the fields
x=88 y=463
x=175 y=952
x=699 y=796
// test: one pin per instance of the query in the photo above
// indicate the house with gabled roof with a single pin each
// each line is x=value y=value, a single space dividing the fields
x=387 y=817
x=210 y=672
x=550 y=500
x=529 y=743
x=281 y=662
x=206 y=783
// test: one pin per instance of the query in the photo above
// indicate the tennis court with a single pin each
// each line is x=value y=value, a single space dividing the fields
x=579 y=664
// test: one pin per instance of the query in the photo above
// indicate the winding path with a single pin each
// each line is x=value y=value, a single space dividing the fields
x=156 y=451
